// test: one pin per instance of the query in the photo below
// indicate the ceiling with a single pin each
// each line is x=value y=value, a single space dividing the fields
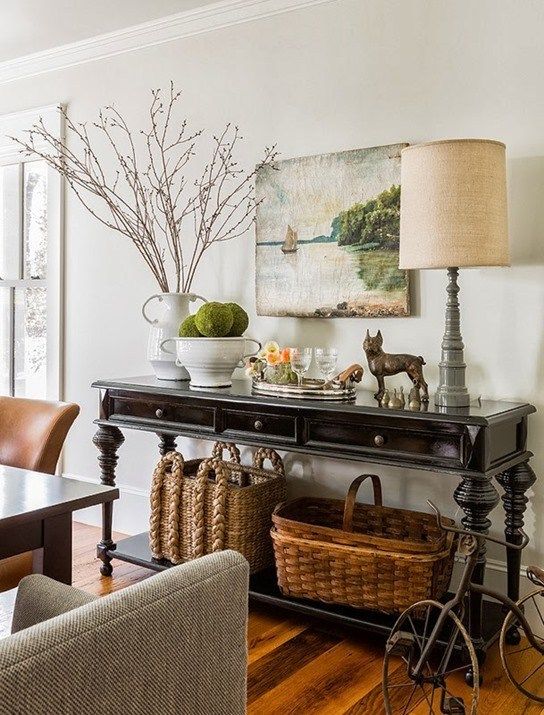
x=28 y=26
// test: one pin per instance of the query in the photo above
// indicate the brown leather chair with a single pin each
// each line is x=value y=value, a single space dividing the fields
x=32 y=433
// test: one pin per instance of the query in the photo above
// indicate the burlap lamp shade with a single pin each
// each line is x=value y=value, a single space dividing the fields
x=453 y=204
x=453 y=214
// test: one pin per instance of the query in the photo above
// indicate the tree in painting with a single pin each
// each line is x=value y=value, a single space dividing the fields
x=374 y=224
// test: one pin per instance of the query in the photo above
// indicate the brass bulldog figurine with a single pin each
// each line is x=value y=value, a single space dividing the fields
x=383 y=365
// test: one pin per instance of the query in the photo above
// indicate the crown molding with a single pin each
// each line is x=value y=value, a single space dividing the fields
x=155 y=32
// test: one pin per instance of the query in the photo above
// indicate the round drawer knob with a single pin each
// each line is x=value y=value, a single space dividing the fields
x=258 y=425
x=159 y=413
x=379 y=440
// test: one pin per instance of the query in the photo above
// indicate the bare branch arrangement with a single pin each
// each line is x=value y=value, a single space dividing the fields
x=149 y=197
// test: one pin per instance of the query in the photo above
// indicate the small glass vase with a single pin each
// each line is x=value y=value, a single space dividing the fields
x=280 y=374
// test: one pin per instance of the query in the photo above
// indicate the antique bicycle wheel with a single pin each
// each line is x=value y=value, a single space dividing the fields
x=523 y=663
x=441 y=687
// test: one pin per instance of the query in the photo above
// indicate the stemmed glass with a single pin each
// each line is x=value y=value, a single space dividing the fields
x=326 y=359
x=300 y=361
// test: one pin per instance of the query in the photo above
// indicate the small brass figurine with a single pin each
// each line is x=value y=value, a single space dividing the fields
x=353 y=373
x=401 y=397
x=384 y=399
x=414 y=400
x=395 y=402
x=383 y=365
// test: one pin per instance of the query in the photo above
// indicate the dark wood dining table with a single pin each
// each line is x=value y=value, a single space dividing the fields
x=36 y=515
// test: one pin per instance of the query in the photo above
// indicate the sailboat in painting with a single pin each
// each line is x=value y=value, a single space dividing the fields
x=290 y=242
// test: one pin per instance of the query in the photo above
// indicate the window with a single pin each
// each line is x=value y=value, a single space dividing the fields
x=30 y=317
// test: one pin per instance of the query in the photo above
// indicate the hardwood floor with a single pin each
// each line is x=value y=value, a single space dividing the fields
x=296 y=666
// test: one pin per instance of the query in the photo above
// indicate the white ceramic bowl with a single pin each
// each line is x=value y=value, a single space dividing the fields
x=210 y=361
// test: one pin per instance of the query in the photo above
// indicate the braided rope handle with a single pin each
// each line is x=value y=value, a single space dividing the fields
x=173 y=508
x=232 y=449
x=219 y=516
x=172 y=463
x=155 y=504
x=198 y=509
x=265 y=453
x=219 y=506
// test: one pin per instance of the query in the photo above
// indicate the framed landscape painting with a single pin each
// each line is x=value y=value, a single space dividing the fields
x=327 y=234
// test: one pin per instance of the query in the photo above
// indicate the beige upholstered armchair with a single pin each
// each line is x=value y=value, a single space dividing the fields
x=174 y=643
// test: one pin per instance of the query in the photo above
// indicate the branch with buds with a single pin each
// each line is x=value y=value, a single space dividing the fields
x=149 y=197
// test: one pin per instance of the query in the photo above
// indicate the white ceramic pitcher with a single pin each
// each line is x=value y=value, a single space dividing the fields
x=175 y=310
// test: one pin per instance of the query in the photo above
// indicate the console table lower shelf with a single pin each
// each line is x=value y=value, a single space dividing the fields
x=263 y=588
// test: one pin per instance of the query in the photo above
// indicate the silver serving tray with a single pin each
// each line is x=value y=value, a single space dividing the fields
x=309 y=390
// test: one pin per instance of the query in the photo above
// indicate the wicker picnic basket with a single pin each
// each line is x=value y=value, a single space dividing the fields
x=371 y=557
x=207 y=505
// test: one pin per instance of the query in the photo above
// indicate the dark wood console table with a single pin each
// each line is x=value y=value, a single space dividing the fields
x=471 y=446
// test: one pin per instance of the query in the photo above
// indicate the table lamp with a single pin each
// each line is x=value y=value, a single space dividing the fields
x=453 y=215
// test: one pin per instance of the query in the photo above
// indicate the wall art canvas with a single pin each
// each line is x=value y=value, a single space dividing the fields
x=327 y=234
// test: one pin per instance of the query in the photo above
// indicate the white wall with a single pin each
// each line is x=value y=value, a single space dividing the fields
x=348 y=74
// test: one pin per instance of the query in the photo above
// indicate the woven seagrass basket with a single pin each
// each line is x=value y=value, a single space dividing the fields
x=371 y=557
x=207 y=505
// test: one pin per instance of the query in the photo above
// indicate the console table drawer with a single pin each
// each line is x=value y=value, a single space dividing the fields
x=263 y=423
x=162 y=411
x=446 y=445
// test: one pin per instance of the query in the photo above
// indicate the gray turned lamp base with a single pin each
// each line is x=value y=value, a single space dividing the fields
x=452 y=391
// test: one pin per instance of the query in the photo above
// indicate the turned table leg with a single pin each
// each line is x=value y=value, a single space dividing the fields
x=477 y=497
x=515 y=482
x=107 y=439
x=167 y=443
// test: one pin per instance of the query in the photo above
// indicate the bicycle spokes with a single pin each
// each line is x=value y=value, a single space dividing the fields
x=523 y=662
x=439 y=685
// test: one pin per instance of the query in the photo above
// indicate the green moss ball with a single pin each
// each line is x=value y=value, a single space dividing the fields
x=188 y=328
x=214 y=320
x=240 y=322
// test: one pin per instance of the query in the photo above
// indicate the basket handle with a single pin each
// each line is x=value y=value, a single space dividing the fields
x=265 y=453
x=173 y=462
x=232 y=449
x=349 y=506
x=218 y=507
x=279 y=507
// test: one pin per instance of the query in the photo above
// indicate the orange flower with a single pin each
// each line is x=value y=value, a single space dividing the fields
x=285 y=355
x=273 y=358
